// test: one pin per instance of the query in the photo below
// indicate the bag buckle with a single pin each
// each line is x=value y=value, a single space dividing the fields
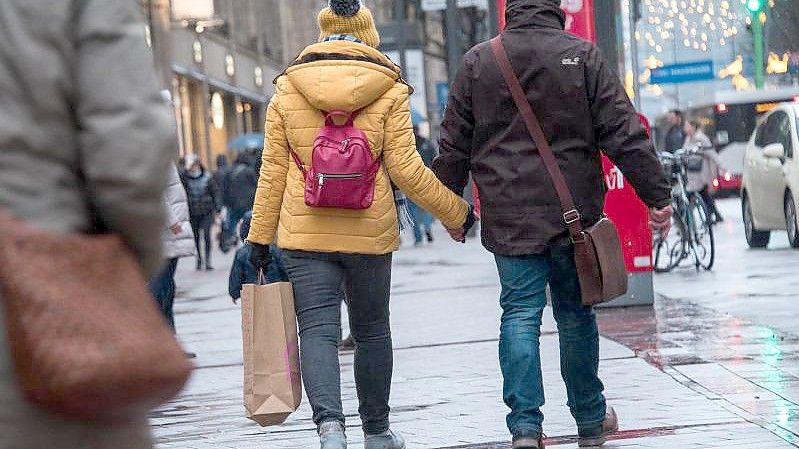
x=571 y=217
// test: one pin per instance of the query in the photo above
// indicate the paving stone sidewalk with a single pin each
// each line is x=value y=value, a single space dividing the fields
x=447 y=385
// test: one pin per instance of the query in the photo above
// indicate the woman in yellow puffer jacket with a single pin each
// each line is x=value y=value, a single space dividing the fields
x=325 y=248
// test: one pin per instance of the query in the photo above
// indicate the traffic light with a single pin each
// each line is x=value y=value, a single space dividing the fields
x=755 y=6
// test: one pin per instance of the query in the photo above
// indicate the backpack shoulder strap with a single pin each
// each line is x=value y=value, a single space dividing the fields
x=571 y=216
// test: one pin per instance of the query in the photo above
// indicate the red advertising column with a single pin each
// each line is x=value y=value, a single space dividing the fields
x=622 y=204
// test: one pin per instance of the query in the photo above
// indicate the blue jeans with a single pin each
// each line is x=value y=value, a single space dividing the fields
x=422 y=221
x=524 y=281
x=163 y=289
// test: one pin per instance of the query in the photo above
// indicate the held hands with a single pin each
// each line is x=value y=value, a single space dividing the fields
x=660 y=220
x=260 y=257
x=459 y=234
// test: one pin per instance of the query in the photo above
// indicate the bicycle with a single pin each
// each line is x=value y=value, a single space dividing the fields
x=692 y=233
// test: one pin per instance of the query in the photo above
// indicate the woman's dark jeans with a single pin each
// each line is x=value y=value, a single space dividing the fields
x=317 y=279
x=201 y=226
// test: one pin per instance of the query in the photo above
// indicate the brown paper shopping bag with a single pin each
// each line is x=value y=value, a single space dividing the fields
x=272 y=385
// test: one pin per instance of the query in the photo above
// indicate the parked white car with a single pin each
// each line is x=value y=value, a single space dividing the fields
x=770 y=190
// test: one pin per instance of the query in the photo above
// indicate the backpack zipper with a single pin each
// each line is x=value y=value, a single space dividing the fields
x=323 y=176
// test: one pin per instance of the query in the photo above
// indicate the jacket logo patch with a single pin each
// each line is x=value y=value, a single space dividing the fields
x=570 y=61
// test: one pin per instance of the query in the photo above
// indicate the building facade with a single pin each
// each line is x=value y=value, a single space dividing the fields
x=218 y=66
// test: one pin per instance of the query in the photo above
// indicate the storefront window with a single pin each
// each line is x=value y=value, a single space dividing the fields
x=190 y=117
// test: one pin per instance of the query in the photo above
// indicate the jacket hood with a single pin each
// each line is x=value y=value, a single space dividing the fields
x=342 y=75
x=520 y=14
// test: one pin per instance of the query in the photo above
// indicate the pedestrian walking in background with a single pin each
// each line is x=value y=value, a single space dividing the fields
x=327 y=247
x=241 y=182
x=701 y=179
x=583 y=107
x=675 y=136
x=244 y=272
x=221 y=174
x=422 y=220
x=205 y=204
x=177 y=238
x=226 y=237
x=85 y=143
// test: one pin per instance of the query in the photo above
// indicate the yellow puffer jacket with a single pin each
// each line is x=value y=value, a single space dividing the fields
x=349 y=76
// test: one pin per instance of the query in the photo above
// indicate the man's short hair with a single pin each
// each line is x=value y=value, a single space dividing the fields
x=679 y=113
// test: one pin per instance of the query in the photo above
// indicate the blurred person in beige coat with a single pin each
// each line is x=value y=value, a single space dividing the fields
x=82 y=128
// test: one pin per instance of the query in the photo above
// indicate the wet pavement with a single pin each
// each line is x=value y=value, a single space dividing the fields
x=687 y=373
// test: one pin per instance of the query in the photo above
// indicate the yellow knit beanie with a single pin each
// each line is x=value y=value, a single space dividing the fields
x=349 y=17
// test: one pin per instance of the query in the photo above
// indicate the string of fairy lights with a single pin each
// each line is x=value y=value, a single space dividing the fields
x=669 y=27
x=695 y=24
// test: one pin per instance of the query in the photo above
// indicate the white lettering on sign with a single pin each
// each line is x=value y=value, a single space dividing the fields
x=440 y=5
x=571 y=7
x=614 y=179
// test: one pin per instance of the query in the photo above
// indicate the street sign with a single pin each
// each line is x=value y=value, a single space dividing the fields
x=683 y=73
x=440 y=5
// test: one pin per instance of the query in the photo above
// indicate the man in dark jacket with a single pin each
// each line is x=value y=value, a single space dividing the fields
x=583 y=108
x=675 y=136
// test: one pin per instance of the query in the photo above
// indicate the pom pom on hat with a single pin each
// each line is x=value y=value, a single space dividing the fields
x=345 y=8
x=349 y=17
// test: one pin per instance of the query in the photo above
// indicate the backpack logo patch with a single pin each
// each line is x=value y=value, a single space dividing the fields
x=570 y=61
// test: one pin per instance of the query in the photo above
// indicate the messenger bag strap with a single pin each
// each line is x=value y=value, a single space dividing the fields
x=571 y=216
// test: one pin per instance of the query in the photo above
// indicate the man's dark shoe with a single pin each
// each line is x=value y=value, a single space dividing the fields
x=597 y=436
x=528 y=442
x=199 y=264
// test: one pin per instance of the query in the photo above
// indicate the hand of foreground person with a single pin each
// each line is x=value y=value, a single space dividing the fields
x=660 y=220
x=260 y=256
x=176 y=228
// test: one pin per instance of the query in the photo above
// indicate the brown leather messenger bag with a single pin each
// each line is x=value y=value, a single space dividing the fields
x=597 y=249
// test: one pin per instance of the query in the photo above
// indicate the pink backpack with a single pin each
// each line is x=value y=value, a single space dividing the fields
x=343 y=170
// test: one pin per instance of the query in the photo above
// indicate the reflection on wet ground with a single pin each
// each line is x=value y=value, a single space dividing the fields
x=753 y=369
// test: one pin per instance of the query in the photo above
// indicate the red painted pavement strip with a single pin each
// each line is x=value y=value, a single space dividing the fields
x=621 y=435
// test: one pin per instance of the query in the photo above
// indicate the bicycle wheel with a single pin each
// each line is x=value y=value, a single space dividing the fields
x=669 y=252
x=702 y=240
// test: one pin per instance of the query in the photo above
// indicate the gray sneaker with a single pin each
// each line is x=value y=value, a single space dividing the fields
x=386 y=440
x=332 y=436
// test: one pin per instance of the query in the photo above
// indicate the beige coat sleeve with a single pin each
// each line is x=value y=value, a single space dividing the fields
x=127 y=130
x=407 y=170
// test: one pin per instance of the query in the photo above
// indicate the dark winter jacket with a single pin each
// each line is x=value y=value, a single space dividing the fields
x=675 y=139
x=244 y=272
x=583 y=108
x=241 y=183
x=202 y=193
